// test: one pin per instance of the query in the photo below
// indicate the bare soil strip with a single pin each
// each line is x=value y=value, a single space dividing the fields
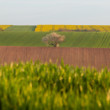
x=86 y=57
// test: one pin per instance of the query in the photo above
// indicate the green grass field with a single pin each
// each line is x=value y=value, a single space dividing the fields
x=73 y=39
x=21 y=28
x=36 y=86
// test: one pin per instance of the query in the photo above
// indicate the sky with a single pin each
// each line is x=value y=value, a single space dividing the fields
x=73 y=12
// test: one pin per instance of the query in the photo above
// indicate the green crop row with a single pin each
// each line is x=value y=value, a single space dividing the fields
x=37 y=86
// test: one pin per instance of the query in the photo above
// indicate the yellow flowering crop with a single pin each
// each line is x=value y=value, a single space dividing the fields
x=3 y=27
x=48 y=28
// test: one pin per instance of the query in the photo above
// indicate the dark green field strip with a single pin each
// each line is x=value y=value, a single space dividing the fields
x=104 y=40
x=21 y=39
x=87 y=39
x=73 y=39
x=21 y=28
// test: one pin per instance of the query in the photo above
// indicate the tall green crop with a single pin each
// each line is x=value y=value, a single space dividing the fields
x=36 y=86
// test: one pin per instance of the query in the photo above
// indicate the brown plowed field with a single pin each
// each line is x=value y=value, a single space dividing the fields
x=94 y=57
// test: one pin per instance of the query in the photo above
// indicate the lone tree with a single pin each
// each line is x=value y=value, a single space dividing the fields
x=53 y=39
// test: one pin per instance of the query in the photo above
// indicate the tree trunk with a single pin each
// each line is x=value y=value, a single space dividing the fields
x=57 y=45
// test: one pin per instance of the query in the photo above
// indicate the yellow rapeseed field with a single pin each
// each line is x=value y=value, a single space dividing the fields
x=3 y=27
x=48 y=28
